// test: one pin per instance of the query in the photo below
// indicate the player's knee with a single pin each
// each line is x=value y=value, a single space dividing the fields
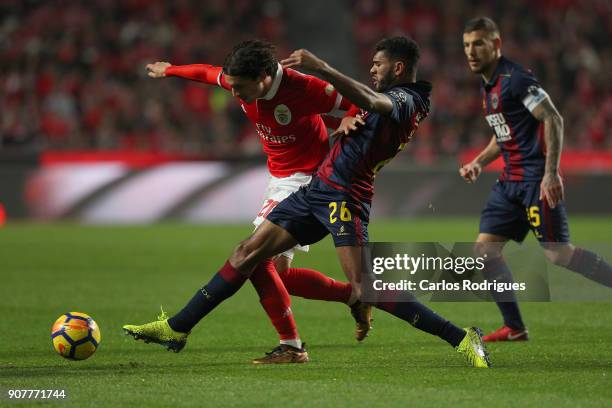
x=554 y=257
x=245 y=255
x=282 y=264
x=559 y=255
x=239 y=256
x=490 y=250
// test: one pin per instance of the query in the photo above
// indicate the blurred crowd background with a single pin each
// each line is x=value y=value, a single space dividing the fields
x=72 y=75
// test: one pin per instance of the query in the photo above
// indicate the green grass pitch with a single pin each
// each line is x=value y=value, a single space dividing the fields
x=123 y=274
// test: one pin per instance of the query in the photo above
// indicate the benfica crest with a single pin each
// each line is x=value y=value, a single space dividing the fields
x=282 y=114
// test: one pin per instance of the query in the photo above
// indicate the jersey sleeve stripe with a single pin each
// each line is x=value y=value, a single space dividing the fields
x=219 y=79
x=338 y=101
x=336 y=111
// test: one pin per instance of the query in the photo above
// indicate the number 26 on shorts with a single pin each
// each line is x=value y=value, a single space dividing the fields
x=345 y=213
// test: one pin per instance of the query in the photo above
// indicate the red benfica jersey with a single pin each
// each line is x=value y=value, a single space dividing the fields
x=287 y=118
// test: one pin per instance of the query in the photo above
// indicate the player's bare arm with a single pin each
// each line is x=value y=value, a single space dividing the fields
x=472 y=170
x=552 y=185
x=358 y=93
x=157 y=69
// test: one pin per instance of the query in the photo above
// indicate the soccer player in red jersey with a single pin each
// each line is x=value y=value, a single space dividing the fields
x=337 y=201
x=284 y=106
x=528 y=134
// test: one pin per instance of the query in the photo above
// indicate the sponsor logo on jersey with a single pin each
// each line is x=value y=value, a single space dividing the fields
x=278 y=139
x=329 y=90
x=265 y=133
x=282 y=114
x=497 y=121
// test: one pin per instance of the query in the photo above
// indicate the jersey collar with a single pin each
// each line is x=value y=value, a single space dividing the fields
x=275 y=84
x=500 y=66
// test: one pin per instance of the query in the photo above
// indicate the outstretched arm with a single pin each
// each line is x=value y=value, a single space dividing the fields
x=209 y=74
x=472 y=170
x=157 y=69
x=551 y=187
x=358 y=93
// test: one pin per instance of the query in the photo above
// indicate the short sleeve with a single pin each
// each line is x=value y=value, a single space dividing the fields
x=322 y=97
x=527 y=89
x=403 y=105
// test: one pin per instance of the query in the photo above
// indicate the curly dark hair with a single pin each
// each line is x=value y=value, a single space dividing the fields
x=251 y=59
x=401 y=49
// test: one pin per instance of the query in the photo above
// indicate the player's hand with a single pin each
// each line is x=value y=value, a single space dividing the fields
x=304 y=59
x=348 y=123
x=470 y=171
x=158 y=69
x=551 y=189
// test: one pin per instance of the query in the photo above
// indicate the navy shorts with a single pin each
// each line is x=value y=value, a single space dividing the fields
x=514 y=208
x=317 y=209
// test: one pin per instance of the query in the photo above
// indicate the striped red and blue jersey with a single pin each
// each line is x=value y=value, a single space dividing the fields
x=507 y=100
x=354 y=160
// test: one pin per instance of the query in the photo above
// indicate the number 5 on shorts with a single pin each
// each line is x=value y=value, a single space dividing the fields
x=345 y=213
x=533 y=215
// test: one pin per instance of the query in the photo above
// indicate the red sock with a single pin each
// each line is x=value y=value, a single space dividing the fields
x=311 y=284
x=274 y=299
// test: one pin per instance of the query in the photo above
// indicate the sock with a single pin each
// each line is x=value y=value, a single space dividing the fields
x=297 y=343
x=591 y=266
x=425 y=319
x=497 y=269
x=311 y=284
x=276 y=302
x=224 y=284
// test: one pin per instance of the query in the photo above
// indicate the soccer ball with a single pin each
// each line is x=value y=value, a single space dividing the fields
x=75 y=336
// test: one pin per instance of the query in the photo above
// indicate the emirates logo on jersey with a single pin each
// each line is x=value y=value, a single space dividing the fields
x=282 y=114
x=265 y=133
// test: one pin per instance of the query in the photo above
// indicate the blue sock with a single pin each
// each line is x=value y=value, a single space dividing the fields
x=423 y=318
x=497 y=269
x=224 y=284
x=591 y=266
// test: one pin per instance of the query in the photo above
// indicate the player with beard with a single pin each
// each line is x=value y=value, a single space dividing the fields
x=337 y=201
x=284 y=106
